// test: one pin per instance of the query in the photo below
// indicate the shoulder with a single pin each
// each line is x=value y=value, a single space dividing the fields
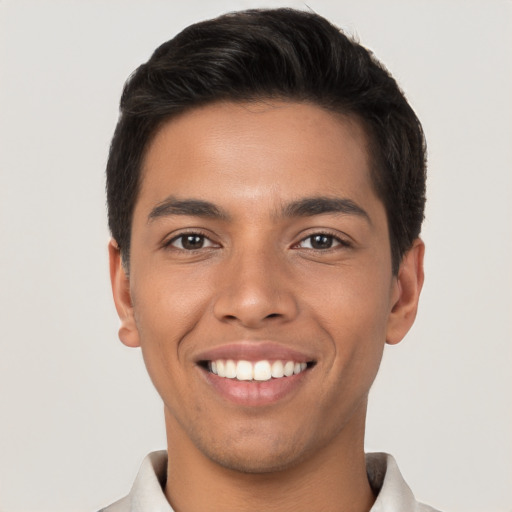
x=147 y=490
x=122 y=505
x=393 y=493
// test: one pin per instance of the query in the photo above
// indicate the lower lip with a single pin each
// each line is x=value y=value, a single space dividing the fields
x=255 y=393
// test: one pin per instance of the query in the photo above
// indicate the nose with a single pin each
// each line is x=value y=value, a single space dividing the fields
x=255 y=289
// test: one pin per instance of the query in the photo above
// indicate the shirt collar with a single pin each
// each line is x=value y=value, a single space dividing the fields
x=393 y=494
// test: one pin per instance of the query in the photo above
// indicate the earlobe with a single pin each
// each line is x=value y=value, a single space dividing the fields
x=128 y=332
x=406 y=293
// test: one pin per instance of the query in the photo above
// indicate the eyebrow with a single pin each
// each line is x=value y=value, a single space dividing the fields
x=310 y=206
x=191 y=207
x=305 y=207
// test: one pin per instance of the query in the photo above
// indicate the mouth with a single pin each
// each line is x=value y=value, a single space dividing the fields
x=252 y=374
x=258 y=371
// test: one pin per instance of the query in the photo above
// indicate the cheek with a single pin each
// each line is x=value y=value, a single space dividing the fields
x=167 y=307
x=168 y=302
x=355 y=300
x=354 y=311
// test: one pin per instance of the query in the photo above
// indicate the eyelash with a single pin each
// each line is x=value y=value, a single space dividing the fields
x=335 y=239
x=169 y=244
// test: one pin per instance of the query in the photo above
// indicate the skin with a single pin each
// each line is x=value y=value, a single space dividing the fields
x=258 y=278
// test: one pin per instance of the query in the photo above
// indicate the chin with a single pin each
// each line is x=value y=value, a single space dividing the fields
x=257 y=455
x=256 y=463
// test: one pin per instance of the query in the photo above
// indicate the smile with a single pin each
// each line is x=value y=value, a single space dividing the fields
x=255 y=371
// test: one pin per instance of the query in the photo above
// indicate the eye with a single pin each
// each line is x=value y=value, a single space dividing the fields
x=191 y=242
x=321 y=241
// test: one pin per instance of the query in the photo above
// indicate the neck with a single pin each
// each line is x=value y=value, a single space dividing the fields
x=333 y=478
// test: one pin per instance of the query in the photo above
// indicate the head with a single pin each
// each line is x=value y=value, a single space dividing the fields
x=279 y=54
x=265 y=189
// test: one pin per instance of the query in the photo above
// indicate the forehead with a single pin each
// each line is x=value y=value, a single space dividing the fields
x=258 y=151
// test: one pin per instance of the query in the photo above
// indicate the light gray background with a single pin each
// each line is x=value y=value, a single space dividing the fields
x=77 y=411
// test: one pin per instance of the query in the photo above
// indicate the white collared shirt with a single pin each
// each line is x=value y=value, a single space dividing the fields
x=147 y=495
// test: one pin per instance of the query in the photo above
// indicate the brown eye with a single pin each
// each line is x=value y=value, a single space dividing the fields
x=191 y=242
x=320 y=241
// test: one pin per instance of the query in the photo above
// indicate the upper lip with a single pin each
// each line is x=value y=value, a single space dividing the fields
x=254 y=351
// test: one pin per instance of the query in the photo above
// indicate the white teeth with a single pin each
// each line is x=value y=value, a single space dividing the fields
x=230 y=369
x=260 y=370
x=244 y=370
x=221 y=372
x=288 y=368
x=277 y=370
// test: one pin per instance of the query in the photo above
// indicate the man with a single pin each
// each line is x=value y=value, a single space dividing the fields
x=266 y=187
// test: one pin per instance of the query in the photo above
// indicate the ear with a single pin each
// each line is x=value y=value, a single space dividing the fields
x=406 y=293
x=128 y=332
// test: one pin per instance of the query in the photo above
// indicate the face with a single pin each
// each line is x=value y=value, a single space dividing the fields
x=260 y=285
